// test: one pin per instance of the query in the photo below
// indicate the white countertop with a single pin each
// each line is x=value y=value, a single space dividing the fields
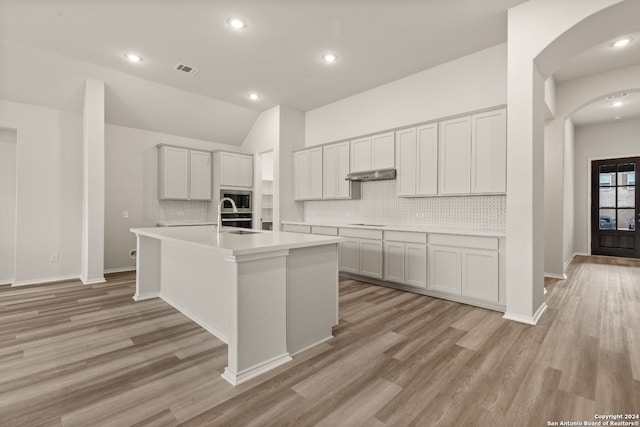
x=411 y=228
x=236 y=244
x=179 y=223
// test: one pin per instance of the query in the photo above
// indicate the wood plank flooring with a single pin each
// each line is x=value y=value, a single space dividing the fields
x=75 y=355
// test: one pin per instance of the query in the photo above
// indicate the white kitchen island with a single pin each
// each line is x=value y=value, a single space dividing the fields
x=267 y=295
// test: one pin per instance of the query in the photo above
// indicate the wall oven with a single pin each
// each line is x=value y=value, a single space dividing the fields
x=241 y=198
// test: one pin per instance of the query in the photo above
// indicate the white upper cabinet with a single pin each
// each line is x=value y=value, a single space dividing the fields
x=184 y=174
x=454 y=149
x=174 y=172
x=335 y=169
x=489 y=152
x=200 y=175
x=373 y=152
x=235 y=169
x=308 y=174
x=418 y=161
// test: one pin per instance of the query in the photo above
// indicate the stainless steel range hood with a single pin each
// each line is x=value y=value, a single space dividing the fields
x=377 y=175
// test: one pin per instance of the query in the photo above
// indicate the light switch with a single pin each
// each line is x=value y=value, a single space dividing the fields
x=125 y=214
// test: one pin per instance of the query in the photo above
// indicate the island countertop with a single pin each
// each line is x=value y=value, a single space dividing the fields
x=231 y=244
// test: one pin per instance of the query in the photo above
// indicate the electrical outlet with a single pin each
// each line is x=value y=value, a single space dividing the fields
x=53 y=257
x=125 y=214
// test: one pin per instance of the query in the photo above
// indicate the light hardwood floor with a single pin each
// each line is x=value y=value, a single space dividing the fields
x=77 y=355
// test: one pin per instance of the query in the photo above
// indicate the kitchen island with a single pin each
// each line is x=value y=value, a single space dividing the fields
x=267 y=295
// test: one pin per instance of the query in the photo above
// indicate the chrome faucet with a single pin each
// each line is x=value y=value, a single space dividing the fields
x=233 y=205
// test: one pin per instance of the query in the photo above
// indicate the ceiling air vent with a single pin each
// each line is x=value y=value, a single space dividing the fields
x=186 y=69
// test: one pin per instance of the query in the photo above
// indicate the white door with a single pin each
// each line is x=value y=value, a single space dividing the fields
x=445 y=270
x=176 y=173
x=383 y=151
x=301 y=170
x=245 y=171
x=480 y=274
x=228 y=169
x=406 y=162
x=489 y=152
x=361 y=154
x=315 y=173
x=415 y=259
x=200 y=175
x=454 y=151
x=344 y=186
x=371 y=258
x=427 y=159
x=330 y=172
x=394 y=261
x=350 y=256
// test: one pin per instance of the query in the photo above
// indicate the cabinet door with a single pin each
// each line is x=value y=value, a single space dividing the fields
x=371 y=258
x=330 y=172
x=350 y=256
x=480 y=274
x=383 y=151
x=200 y=175
x=228 y=169
x=444 y=269
x=245 y=171
x=415 y=265
x=301 y=170
x=175 y=173
x=394 y=261
x=489 y=152
x=454 y=151
x=315 y=173
x=361 y=154
x=427 y=158
x=344 y=186
x=406 y=162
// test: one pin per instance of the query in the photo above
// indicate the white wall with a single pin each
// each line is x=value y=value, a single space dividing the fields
x=602 y=141
x=8 y=139
x=568 y=200
x=469 y=83
x=131 y=182
x=49 y=190
x=292 y=137
x=553 y=198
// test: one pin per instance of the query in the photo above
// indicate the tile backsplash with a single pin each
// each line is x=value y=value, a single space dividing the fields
x=379 y=203
x=183 y=210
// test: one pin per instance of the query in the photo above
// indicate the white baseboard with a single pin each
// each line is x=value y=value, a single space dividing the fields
x=206 y=325
x=556 y=276
x=93 y=281
x=237 y=378
x=119 y=270
x=529 y=320
x=45 y=280
x=312 y=345
x=142 y=297
x=5 y=282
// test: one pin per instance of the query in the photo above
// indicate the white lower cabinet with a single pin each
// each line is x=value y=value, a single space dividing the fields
x=361 y=252
x=405 y=262
x=415 y=265
x=350 y=255
x=371 y=258
x=466 y=266
x=394 y=261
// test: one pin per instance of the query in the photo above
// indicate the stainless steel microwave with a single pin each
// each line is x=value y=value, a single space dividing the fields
x=241 y=198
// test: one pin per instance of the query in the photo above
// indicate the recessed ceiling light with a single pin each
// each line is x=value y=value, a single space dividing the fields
x=236 y=23
x=254 y=96
x=621 y=42
x=618 y=104
x=133 y=57
x=329 y=58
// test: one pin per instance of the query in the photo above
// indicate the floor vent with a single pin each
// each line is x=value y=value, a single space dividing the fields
x=186 y=69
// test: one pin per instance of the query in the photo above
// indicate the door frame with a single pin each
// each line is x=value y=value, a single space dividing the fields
x=588 y=184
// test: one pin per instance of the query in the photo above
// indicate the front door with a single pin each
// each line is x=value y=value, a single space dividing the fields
x=615 y=207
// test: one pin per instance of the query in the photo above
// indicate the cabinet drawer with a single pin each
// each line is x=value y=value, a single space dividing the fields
x=405 y=236
x=475 y=242
x=361 y=233
x=327 y=231
x=296 y=228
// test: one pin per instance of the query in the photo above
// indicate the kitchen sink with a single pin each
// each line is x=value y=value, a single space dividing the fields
x=241 y=232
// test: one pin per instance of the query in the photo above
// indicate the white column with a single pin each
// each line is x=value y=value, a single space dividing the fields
x=93 y=180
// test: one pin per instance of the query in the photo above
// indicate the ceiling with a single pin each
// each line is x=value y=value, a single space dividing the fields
x=600 y=59
x=277 y=55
